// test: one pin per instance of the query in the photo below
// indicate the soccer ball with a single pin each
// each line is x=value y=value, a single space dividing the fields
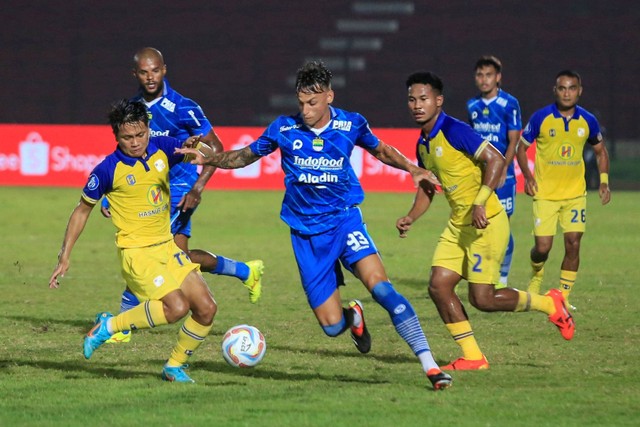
x=243 y=346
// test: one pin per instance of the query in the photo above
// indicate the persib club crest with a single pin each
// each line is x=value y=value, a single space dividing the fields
x=318 y=144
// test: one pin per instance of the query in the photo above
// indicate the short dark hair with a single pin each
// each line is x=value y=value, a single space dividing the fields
x=124 y=111
x=313 y=77
x=426 y=78
x=489 y=60
x=570 y=73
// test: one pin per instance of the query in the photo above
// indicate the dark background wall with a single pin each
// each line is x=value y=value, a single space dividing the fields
x=64 y=61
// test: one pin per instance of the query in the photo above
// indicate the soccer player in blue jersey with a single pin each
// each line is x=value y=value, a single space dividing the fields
x=172 y=114
x=135 y=179
x=558 y=185
x=473 y=243
x=495 y=115
x=321 y=208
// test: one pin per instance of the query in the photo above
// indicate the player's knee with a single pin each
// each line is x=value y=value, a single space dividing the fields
x=176 y=308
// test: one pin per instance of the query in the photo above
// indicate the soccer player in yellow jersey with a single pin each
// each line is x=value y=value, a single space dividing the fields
x=477 y=233
x=557 y=185
x=135 y=180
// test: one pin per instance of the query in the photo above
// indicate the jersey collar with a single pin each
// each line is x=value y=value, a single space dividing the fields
x=436 y=127
x=152 y=148
x=558 y=115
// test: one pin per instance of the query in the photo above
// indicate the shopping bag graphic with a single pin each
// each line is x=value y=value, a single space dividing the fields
x=34 y=155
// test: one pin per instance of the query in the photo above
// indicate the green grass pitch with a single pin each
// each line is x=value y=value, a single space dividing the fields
x=307 y=379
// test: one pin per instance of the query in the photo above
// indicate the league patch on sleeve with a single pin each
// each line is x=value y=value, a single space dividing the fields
x=93 y=182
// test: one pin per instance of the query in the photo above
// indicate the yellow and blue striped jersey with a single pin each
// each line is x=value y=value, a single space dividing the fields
x=138 y=192
x=559 y=167
x=451 y=152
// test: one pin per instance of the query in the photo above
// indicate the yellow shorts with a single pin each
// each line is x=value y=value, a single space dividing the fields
x=474 y=254
x=572 y=214
x=154 y=271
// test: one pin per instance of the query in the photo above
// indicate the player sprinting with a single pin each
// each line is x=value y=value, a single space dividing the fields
x=558 y=186
x=172 y=114
x=321 y=208
x=474 y=240
x=495 y=115
x=135 y=179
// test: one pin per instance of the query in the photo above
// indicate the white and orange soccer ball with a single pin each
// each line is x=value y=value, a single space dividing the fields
x=243 y=346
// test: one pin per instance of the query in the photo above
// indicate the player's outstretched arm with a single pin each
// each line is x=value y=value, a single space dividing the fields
x=234 y=159
x=194 y=196
x=421 y=203
x=391 y=156
x=77 y=221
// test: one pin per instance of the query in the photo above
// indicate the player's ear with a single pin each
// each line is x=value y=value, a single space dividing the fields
x=330 y=96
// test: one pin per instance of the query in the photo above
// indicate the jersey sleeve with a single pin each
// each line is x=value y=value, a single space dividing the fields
x=100 y=181
x=462 y=137
x=595 y=134
x=532 y=130
x=267 y=143
x=366 y=139
x=515 y=116
x=193 y=118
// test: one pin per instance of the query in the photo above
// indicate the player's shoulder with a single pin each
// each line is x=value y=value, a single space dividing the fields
x=544 y=112
x=507 y=96
x=585 y=113
x=451 y=124
x=474 y=102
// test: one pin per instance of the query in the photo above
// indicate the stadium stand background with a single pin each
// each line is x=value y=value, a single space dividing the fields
x=64 y=61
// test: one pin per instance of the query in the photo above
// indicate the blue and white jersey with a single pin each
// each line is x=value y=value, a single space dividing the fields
x=320 y=184
x=177 y=116
x=494 y=119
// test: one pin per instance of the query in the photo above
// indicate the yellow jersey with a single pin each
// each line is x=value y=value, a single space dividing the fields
x=451 y=152
x=559 y=166
x=138 y=192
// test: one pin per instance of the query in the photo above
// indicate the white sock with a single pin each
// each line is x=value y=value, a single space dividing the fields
x=426 y=358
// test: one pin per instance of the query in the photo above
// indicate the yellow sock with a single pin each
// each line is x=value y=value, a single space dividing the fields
x=528 y=301
x=567 y=280
x=463 y=336
x=537 y=266
x=148 y=314
x=190 y=337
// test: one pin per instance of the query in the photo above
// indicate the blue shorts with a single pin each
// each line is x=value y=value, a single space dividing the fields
x=507 y=195
x=318 y=255
x=181 y=221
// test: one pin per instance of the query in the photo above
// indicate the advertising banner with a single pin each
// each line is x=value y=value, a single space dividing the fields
x=64 y=155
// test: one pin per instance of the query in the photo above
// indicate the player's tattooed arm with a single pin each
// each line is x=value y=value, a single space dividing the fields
x=226 y=160
x=236 y=158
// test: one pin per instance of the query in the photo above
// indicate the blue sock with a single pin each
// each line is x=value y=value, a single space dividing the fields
x=231 y=267
x=402 y=316
x=129 y=300
x=337 y=329
x=506 y=262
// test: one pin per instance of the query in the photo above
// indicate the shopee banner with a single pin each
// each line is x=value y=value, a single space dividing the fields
x=64 y=155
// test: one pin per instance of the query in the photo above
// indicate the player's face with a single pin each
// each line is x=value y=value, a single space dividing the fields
x=314 y=108
x=424 y=104
x=133 y=139
x=149 y=72
x=488 y=80
x=567 y=91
